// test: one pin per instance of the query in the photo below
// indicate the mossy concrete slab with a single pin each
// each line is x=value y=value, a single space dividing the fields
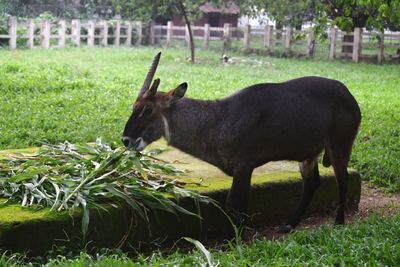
x=276 y=190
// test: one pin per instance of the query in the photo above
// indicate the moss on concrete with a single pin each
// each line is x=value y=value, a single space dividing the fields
x=13 y=217
x=16 y=214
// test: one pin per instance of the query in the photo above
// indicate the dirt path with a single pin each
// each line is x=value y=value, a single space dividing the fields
x=373 y=200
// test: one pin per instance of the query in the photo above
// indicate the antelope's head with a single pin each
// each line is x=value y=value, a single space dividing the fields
x=147 y=122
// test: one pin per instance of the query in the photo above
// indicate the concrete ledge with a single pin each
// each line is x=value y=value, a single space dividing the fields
x=276 y=190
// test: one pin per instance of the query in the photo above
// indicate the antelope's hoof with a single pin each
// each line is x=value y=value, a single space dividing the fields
x=286 y=229
x=339 y=222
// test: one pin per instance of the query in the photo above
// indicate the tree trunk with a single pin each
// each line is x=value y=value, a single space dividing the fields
x=191 y=42
x=278 y=37
x=359 y=21
x=347 y=49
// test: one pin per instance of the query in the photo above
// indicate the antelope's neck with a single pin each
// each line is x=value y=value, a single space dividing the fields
x=191 y=125
x=167 y=133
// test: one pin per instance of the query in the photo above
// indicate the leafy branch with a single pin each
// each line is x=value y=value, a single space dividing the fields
x=70 y=176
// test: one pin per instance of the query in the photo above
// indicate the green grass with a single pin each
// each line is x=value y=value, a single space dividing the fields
x=372 y=242
x=80 y=94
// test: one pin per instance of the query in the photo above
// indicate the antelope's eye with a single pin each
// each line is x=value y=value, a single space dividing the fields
x=146 y=111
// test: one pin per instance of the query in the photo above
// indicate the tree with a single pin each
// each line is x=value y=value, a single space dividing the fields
x=143 y=10
x=58 y=8
x=14 y=8
x=348 y=14
x=372 y=14
x=149 y=10
x=182 y=9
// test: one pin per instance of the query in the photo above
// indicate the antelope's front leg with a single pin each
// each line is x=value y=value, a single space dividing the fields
x=238 y=198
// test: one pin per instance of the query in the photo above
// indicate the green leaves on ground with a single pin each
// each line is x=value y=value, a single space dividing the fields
x=69 y=176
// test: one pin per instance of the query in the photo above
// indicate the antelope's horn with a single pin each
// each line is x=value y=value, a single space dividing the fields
x=150 y=75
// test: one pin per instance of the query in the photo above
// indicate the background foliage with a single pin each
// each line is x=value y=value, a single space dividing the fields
x=372 y=14
x=346 y=14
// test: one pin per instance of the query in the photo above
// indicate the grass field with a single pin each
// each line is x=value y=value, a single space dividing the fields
x=81 y=94
x=372 y=242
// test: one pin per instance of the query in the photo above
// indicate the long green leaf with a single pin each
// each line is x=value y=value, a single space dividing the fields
x=202 y=249
x=118 y=194
x=117 y=154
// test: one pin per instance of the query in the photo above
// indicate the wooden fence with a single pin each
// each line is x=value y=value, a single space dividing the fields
x=227 y=34
x=48 y=34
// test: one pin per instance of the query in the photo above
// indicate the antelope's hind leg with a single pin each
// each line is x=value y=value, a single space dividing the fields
x=311 y=181
x=339 y=164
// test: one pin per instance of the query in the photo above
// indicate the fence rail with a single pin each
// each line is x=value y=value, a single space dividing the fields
x=357 y=45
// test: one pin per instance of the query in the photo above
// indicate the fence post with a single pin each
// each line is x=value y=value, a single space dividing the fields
x=152 y=33
x=90 y=33
x=76 y=32
x=128 y=40
x=187 y=36
x=117 y=33
x=30 y=31
x=332 y=47
x=170 y=30
x=356 y=44
x=227 y=36
x=139 y=32
x=12 y=32
x=246 y=37
x=381 y=47
x=288 y=39
x=311 y=43
x=104 y=33
x=61 y=33
x=268 y=37
x=45 y=34
x=206 y=37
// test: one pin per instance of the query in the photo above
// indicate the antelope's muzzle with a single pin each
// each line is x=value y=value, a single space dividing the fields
x=139 y=144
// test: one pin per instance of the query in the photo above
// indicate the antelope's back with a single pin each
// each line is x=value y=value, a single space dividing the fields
x=292 y=118
x=293 y=99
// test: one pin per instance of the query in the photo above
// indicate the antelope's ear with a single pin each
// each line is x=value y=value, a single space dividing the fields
x=153 y=89
x=178 y=92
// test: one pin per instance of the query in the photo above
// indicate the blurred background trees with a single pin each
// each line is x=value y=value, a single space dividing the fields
x=346 y=14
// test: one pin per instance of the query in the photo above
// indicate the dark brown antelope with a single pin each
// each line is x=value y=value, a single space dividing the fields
x=293 y=120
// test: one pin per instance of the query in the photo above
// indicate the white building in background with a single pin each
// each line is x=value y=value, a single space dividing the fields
x=260 y=20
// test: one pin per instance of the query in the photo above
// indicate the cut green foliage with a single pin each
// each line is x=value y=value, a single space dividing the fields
x=69 y=176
